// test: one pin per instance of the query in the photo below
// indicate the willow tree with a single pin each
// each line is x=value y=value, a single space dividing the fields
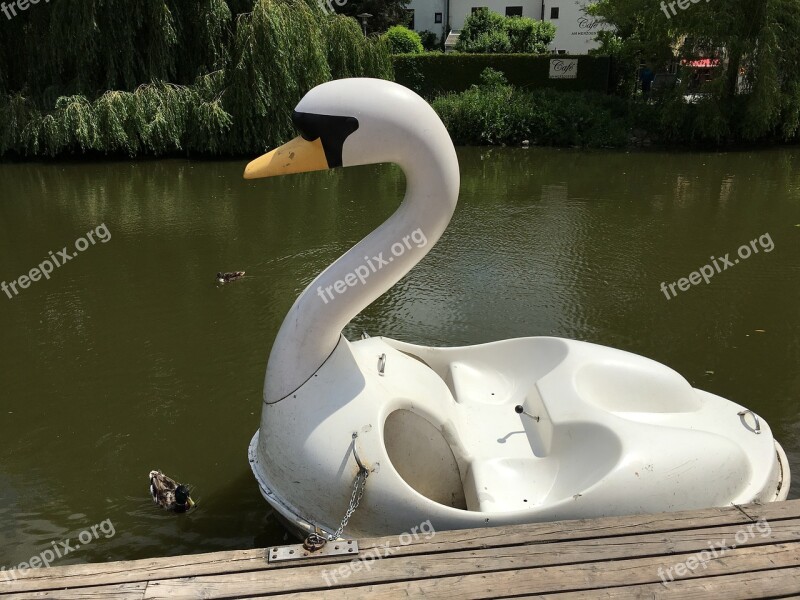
x=279 y=54
x=349 y=54
x=80 y=46
x=166 y=76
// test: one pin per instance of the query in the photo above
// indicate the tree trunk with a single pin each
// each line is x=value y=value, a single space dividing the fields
x=732 y=74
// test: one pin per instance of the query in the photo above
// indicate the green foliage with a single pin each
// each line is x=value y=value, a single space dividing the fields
x=279 y=54
x=497 y=113
x=211 y=77
x=502 y=114
x=385 y=13
x=529 y=36
x=432 y=74
x=485 y=31
x=430 y=41
x=80 y=46
x=403 y=41
x=156 y=119
x=754 y=38
x=350 y=55
x=493 y=78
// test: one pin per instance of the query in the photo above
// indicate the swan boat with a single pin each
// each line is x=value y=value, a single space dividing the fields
x=514 y=431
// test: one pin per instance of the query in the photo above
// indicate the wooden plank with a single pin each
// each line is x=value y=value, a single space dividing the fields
x=742 y=586
x=767 y=560
x=474 y=565
x=607 y=531
x=312 y=576
x=134 y=570
x=444 y=541
x=125 y=591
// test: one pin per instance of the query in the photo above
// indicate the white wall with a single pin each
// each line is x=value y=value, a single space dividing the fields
x=575 y=30
x=424 y=13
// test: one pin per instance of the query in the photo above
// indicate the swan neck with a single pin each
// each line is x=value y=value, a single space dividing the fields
x=314 y=324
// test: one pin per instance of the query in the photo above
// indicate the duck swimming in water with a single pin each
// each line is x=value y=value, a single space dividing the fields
x=228 y=277
x=169 y=494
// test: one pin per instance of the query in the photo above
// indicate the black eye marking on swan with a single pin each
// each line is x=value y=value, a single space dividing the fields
x=332 y=130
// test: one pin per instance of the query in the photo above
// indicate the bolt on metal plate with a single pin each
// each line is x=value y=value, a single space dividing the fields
x=298 y=552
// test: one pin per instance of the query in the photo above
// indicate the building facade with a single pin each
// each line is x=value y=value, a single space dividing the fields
x=575 y=30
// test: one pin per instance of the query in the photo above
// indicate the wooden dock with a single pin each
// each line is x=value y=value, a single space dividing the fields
x=613 y=557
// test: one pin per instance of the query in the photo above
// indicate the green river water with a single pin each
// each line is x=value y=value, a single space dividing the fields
x=130 y=358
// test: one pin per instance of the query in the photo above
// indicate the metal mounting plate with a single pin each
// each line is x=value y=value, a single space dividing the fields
x=297 y=552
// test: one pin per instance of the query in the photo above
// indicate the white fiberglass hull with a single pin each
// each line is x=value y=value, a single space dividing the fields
x=603 y=432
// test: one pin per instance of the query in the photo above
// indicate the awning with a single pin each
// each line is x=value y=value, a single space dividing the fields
x=701 y=63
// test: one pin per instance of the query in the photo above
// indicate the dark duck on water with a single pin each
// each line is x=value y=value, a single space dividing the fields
x=169 y=494
x=228 y=277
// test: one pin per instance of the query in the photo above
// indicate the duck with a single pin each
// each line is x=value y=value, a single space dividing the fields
x=229 y=276
x=169 y=494
x=512 y=431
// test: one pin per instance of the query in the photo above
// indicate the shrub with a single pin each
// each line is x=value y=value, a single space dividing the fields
x=495 y=113
x=478 y=29
x=430 y=41
x=403 y=41
x=491 y=42
x=487 y=31
x=529 y=36
x=492 y=77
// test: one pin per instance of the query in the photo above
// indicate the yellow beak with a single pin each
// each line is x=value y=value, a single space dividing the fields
x=297 y=156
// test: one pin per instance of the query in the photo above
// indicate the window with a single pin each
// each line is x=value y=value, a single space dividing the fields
x=437 y=17
x=513 y=11
x=410 y=12
x=477 y=8
x=553 y=12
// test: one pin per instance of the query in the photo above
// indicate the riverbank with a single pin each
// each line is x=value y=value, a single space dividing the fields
x=490 y=114
x=495 y=113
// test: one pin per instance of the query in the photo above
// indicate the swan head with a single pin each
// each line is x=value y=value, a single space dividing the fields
x=350 y=122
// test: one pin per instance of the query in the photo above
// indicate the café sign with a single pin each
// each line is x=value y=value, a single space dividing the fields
x=563 y=68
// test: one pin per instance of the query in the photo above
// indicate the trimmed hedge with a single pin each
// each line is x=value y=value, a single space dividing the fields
x=434 y=74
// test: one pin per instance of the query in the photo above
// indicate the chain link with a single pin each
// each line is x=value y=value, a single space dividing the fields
x=314 y=541
x=358 y=492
